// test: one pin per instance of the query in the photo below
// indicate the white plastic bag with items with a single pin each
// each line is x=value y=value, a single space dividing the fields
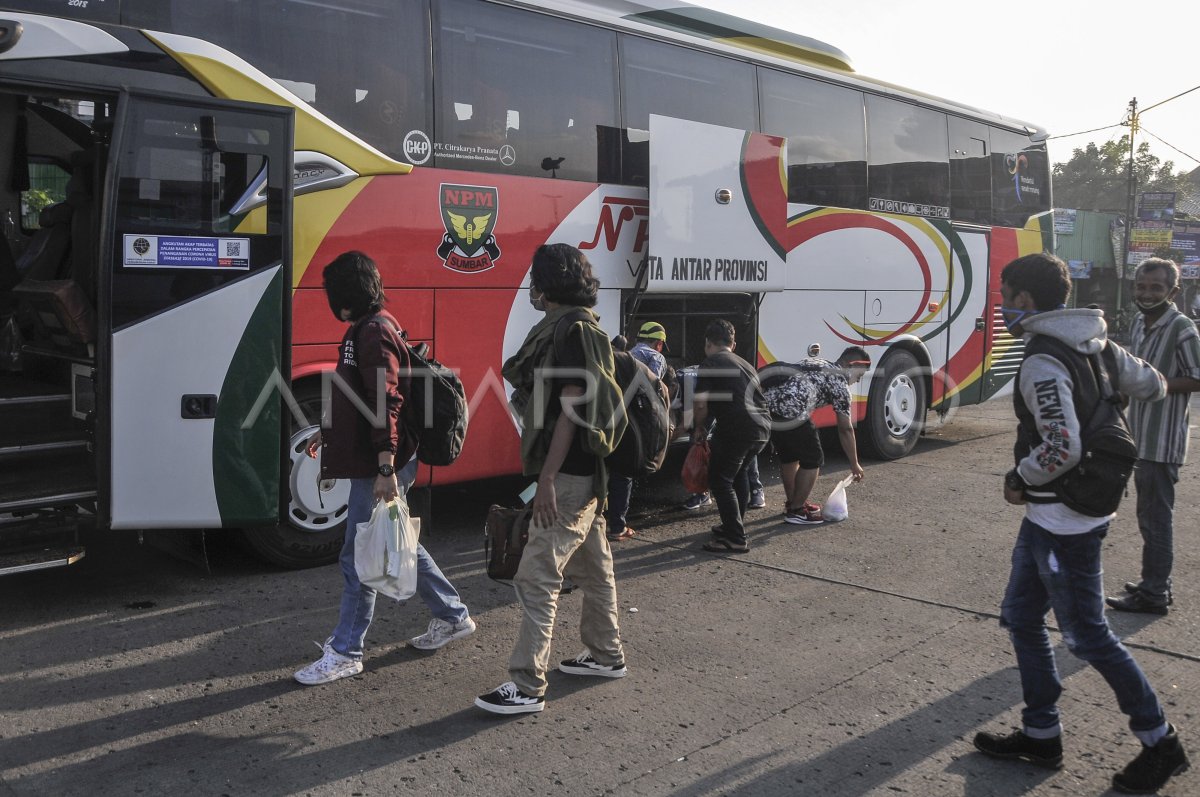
x=836 y=506
x=385 y=550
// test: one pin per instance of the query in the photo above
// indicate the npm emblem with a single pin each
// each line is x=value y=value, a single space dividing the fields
x=469 y=215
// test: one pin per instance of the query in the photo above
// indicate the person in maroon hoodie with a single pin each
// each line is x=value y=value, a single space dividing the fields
x=373 y=366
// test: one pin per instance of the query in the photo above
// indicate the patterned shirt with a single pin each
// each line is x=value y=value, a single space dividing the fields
x=817 y=384
x=1172 y=346
x=651 y=358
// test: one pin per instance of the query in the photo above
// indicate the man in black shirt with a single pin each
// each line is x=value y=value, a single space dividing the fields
x=728 y=393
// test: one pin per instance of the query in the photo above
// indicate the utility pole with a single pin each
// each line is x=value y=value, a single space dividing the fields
x=1130 y=203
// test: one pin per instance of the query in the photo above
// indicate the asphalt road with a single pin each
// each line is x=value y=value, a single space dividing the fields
x=850 y=659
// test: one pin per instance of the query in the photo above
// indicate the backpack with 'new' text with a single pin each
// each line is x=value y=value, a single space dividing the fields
x=1096 y=485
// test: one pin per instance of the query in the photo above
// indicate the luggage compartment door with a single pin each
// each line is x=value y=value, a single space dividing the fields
x=195 y=286
x=718 y=209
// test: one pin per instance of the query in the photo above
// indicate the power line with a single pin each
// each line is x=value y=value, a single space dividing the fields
x=1168 y=99
x=1084 y=132
x=1172 y=146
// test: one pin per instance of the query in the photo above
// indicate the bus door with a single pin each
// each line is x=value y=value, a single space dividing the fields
x=969 y=335
x=195 y=286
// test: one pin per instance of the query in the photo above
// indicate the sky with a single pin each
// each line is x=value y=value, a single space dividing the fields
x=1066 y=65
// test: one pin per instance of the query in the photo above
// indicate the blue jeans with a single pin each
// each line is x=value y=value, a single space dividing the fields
x=358 y=602
x=752 y=474
x=1155 y=483
x=1064 y=572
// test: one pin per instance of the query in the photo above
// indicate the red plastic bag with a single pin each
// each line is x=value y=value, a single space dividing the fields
x=695 y=469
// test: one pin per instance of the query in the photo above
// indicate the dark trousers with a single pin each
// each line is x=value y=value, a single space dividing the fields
x=730 y=453
x=620 y=490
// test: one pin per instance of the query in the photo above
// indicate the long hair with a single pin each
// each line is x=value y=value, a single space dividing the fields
x=564 y=276
x=352 y=283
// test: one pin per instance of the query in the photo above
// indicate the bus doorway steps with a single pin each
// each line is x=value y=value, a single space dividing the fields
x=40 y=559
x=60 y=478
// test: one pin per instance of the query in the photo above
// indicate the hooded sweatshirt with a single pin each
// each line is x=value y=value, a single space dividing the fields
x=1046 y=388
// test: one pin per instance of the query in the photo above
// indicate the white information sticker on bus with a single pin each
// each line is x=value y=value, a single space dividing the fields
x=183 y=251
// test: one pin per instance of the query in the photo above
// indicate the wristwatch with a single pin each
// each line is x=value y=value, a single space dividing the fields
x=1013 y=481
x=387 y=470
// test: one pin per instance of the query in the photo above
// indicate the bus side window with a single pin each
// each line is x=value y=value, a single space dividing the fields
x=827 y=139
x=970 y=172
x=664 y=79
x=365 y=65
x=909 y=165
x=1019 y=176
x=520 y=92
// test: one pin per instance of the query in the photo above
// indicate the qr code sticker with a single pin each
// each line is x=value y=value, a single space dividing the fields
x=233 y=249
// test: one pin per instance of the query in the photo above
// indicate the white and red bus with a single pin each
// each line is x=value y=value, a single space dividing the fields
x=708 y=166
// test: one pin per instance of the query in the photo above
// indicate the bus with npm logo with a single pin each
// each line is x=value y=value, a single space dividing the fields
x=708 y=166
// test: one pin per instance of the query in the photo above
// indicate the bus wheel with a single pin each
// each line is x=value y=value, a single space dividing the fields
x=312 y=532
x=896 y=405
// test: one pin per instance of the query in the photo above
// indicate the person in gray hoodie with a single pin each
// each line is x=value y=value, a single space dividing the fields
x=1056 y=561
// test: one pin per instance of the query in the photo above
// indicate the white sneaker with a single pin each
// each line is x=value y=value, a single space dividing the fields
x=441 y=633
x=332 y=666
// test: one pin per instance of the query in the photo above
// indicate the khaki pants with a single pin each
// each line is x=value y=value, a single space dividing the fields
x=577 y=547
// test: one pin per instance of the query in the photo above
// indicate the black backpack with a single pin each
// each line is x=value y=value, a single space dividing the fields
x=436 y=406
x=643 y=447
x=647 y=403
x=1096 y=485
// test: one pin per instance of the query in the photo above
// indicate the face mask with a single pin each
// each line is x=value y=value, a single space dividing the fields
x=1150 y=307
x=1013 y=317
x=538 y=301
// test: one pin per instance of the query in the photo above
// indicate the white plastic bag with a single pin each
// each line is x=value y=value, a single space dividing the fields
x=385 y=550
x=836 y=507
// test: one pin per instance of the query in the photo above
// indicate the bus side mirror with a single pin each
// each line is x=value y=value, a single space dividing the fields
x=10 y=34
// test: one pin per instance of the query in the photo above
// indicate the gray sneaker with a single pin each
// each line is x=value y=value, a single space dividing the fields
x=332 y=666
x=441 y=633
x=758 y=499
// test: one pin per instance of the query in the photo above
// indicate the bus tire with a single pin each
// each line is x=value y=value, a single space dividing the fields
x=896 y=406
x=312 y=532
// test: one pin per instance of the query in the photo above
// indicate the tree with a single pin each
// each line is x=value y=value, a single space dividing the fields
x=1095 y=178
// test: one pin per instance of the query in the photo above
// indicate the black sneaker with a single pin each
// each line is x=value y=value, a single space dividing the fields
x=1132 y=587
x=1153 y=767
x=1017 y=746
x=508 y=699
x=584 y=664
x=1137 y=602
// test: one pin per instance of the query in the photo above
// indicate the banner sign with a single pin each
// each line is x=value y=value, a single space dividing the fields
x=1080 y=269
x=185 y=251
x=1064 y=221
x=1158 y=206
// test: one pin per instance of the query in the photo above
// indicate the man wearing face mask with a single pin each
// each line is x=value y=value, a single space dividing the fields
x=1056 y=562
x=1166 y=339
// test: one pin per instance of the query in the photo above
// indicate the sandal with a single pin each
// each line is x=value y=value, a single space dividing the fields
x=624 y=535
x=725 y=545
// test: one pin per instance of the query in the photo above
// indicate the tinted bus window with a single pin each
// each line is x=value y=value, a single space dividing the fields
x=1020 y=178
x=970 y=172
x=909 y=170
x=827 y=139
x=520 y=92
x=363 y=63
x=674 y=81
